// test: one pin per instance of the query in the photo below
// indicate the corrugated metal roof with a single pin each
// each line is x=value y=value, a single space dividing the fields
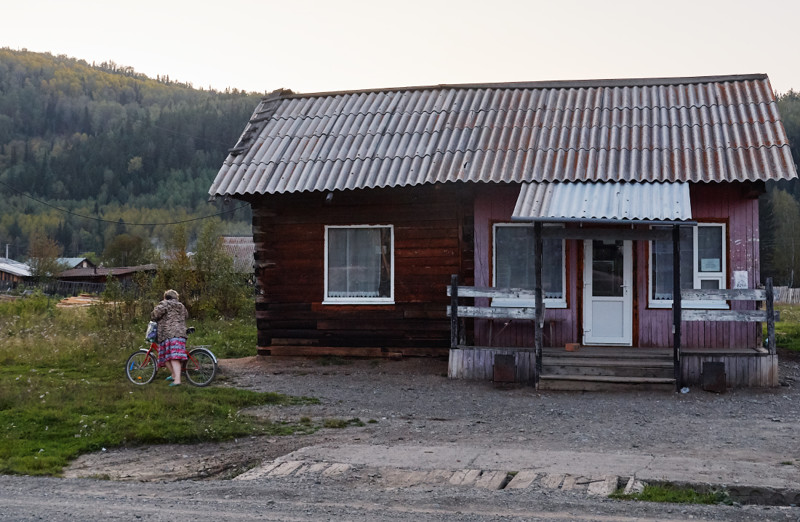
x=678 y=129
x=603 y=201
x=16 y=268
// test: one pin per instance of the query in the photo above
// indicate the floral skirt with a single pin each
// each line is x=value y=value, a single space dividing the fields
x=171 y=349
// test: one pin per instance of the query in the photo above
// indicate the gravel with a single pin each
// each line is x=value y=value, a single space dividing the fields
x=411 y=401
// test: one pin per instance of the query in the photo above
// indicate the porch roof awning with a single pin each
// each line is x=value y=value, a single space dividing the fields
x=604 y=202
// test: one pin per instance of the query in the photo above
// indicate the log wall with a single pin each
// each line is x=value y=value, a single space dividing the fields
x=432 y=240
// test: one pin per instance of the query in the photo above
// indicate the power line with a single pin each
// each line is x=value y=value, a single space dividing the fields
x=24 y=194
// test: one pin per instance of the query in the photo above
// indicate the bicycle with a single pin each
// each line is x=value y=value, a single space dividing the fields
x=200 y=368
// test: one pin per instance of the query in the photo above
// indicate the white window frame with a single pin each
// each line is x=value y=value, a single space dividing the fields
x=559 y=302
x=697 y=276
x=360 y=300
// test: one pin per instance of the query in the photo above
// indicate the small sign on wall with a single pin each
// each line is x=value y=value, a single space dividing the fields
x=740 y=278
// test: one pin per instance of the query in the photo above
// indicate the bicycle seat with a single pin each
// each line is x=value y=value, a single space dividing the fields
x=190 y=330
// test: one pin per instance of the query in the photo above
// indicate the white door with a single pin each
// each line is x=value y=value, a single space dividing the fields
x=607 y=292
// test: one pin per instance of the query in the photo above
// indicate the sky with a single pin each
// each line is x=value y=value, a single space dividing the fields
x=332 y=45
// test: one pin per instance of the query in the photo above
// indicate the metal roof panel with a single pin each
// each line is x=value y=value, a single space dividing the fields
x=708 y=129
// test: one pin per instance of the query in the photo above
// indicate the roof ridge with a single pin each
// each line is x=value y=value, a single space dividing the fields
x=543 y=84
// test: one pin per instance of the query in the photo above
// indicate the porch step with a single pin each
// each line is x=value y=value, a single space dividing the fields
x=605 y=383
x=605 y=368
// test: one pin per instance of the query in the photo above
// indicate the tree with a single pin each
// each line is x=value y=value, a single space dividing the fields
x=786 y=240
x=44 y=252
x=127 y=250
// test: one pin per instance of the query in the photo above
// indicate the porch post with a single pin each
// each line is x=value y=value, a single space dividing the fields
x=537 y=276
x=454 y=311
x=770 y=317
x=676 y=304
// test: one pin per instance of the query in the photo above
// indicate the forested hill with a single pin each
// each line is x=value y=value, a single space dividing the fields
x=107 y=142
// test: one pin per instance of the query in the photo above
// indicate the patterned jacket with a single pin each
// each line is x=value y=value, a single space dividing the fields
x=171 y=316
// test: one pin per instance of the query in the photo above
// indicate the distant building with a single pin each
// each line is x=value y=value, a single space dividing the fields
x=13 y=271
x=75 y=262
x=242 y=250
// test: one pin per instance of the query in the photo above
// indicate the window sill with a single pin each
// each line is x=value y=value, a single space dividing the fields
x=358 y=302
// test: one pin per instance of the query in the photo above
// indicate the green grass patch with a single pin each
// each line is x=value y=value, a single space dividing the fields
x=674 y=495
x=63 y=392
x=342 y=423
x=787 y=330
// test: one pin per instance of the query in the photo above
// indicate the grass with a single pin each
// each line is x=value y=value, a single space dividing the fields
x=63 y=391
x=787 y=330
x=675 y=495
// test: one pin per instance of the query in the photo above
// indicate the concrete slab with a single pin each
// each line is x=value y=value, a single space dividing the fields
x=465 y=477
x=258 y=471
x=553 y=480
x=285 y=469
x=523 y=479
x=336 y=469
x=491 y=479
x=604 y=487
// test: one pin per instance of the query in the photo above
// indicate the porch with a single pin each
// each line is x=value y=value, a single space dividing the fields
x=595 y=368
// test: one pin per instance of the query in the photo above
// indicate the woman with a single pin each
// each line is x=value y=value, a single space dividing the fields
x=171 y=316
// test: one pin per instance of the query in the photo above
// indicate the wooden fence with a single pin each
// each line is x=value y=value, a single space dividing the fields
x=786 y=295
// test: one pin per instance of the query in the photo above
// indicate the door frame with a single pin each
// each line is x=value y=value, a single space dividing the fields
x=627 y=298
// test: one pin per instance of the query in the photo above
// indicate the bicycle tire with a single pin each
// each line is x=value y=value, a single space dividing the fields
x=140 y=368
x=201 y=367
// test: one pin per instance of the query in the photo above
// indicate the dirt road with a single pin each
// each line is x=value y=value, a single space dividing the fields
x=411 y=403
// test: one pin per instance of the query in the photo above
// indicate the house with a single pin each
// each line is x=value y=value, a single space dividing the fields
x=366 y=202
x=75 y=262
x=101 y=274
x=13 y=272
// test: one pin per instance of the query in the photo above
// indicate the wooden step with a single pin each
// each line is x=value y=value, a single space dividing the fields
x=605 y=383
x=618 y=371
x=617 y=362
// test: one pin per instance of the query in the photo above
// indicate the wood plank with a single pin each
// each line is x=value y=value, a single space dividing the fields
x=492 y=292
x=724 y=315
x=495 y=312
x=731 y=294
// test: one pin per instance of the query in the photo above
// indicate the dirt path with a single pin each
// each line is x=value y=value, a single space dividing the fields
x=412 y=401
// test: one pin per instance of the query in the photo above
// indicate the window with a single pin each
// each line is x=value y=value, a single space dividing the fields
x=514 y=262
x=359 y=264
x=702 y=263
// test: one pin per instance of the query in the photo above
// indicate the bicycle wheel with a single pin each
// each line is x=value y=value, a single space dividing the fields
x=141 y=367
x=201 y=367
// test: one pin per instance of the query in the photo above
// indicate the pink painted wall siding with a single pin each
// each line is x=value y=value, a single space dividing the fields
x=495 y=203
x=716 y=202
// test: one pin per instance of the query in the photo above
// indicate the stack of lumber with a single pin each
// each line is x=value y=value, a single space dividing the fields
x=81 y=300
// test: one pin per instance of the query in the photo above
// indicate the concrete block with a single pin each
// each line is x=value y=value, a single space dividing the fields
x=491 y=479
x=286 y=468
x=552 y=481
x=523 y=479
x=465 y=477
x=604 y=486
x=335 y=469
x=634 y=487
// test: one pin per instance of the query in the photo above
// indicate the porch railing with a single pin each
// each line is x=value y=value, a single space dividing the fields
x=767 y=315
x=457 y=312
